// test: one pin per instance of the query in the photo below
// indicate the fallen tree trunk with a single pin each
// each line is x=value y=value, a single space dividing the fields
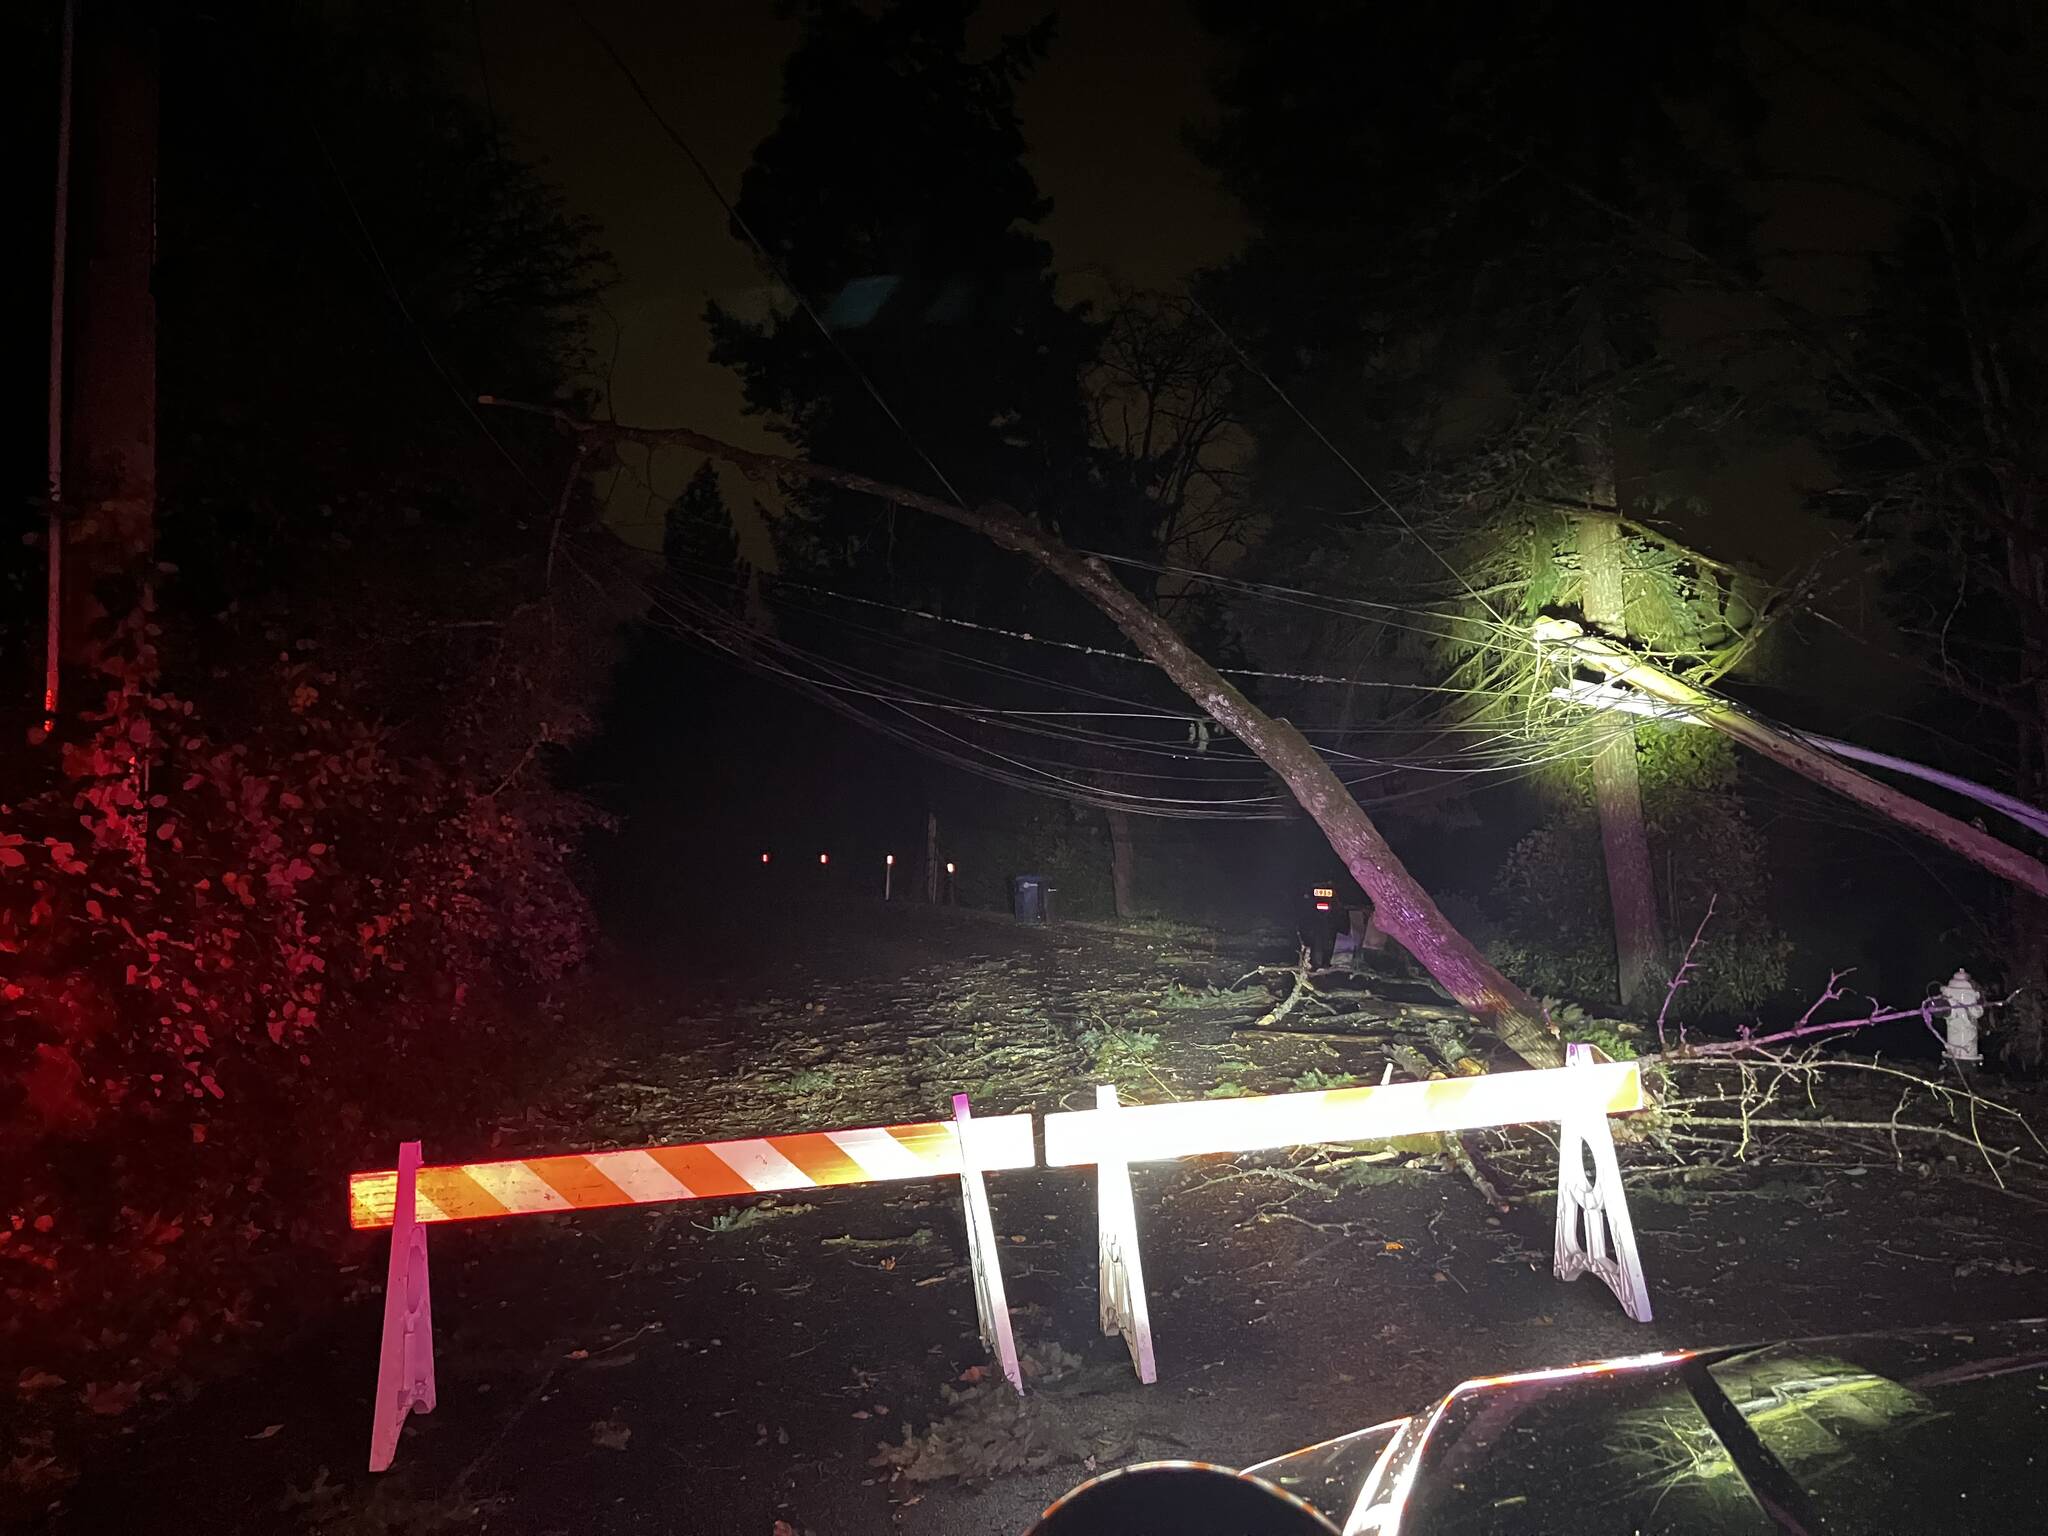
x=1787 y=750
x=1405 y=910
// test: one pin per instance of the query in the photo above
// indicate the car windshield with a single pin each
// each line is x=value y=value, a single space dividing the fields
x=1629 y=1454
x=1923 y=1432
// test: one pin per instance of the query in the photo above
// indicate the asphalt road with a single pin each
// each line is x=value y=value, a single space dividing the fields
x=737 y=1367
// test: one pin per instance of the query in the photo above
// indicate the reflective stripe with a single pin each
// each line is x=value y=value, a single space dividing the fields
x=821 y=1159
x=516 y=1186
x=881 y=1154
x=645 y=1175
x=641 y=1177
x=761 y=1165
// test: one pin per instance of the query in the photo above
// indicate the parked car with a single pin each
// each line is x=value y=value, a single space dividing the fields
x=1939 y=1430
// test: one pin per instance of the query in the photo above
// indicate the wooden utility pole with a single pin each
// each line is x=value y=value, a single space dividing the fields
x=108 y=451
x=1980 y=848
x=1123 y=865
x=53 y=527
x=1617 y=791
x=1404 y=908
x=1603 y=598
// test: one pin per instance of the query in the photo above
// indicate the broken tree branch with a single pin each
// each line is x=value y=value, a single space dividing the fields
x=1405 y=909
x=1678 y=978
x=1789 y=751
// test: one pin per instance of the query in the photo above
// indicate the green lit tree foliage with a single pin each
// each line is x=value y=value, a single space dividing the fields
x=1549 y=905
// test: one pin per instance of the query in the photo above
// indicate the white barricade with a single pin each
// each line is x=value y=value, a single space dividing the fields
x=409 y=1198
x=1120 y=1273
x=1594 y=1234
x=405 y=1358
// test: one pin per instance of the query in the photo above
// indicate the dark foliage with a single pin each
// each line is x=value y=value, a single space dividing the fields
x=893 y=196
x=296 y=846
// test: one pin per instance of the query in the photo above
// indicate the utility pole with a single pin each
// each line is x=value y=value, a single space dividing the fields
x=1603 y=598
x=108 y=319
x=53 y=531
x=1617 y=790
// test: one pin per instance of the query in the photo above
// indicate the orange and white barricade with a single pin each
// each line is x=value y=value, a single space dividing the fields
x=410 y=1198
x=1594 y=1234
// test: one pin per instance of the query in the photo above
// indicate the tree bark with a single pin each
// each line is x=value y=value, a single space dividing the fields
x=1405 y=909
x=1123 y=865
x=1617 y=792
x=1786 y=749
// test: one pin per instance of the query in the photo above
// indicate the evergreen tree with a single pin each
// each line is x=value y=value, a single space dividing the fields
x=699 y=549
x=894 y=199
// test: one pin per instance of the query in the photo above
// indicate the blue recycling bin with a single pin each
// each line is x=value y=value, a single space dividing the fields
x=1031 y=899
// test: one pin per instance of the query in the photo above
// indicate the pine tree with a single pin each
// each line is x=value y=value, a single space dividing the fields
x=893 y=197
x=699 y=547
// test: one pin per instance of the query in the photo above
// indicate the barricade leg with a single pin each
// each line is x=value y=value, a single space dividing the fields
x=991 y=1305
x=405 y=1361
x=1594 y=1233
x=1120 y=1272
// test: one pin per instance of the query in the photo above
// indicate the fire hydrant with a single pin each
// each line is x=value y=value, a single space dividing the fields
x=1965 y=1012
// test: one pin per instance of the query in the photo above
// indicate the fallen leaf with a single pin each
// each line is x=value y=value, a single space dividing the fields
x=33 y=1381
x=610 y=1435
x=110 y=1399
x=266 y=1432
x=1395 y=1247
x=783 y=1528
x=973 y=1374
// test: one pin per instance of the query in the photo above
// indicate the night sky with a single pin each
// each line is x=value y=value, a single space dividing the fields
x=1105 y=117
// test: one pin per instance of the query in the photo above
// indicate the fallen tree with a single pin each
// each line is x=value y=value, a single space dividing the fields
x=1405 y=909
x=1786 y=749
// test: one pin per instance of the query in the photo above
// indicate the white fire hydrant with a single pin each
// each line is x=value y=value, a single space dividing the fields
x=1965 y=1013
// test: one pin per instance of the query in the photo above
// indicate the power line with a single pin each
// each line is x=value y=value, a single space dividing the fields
x=761 y=252
x=841 y=685
x=1324 y=438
